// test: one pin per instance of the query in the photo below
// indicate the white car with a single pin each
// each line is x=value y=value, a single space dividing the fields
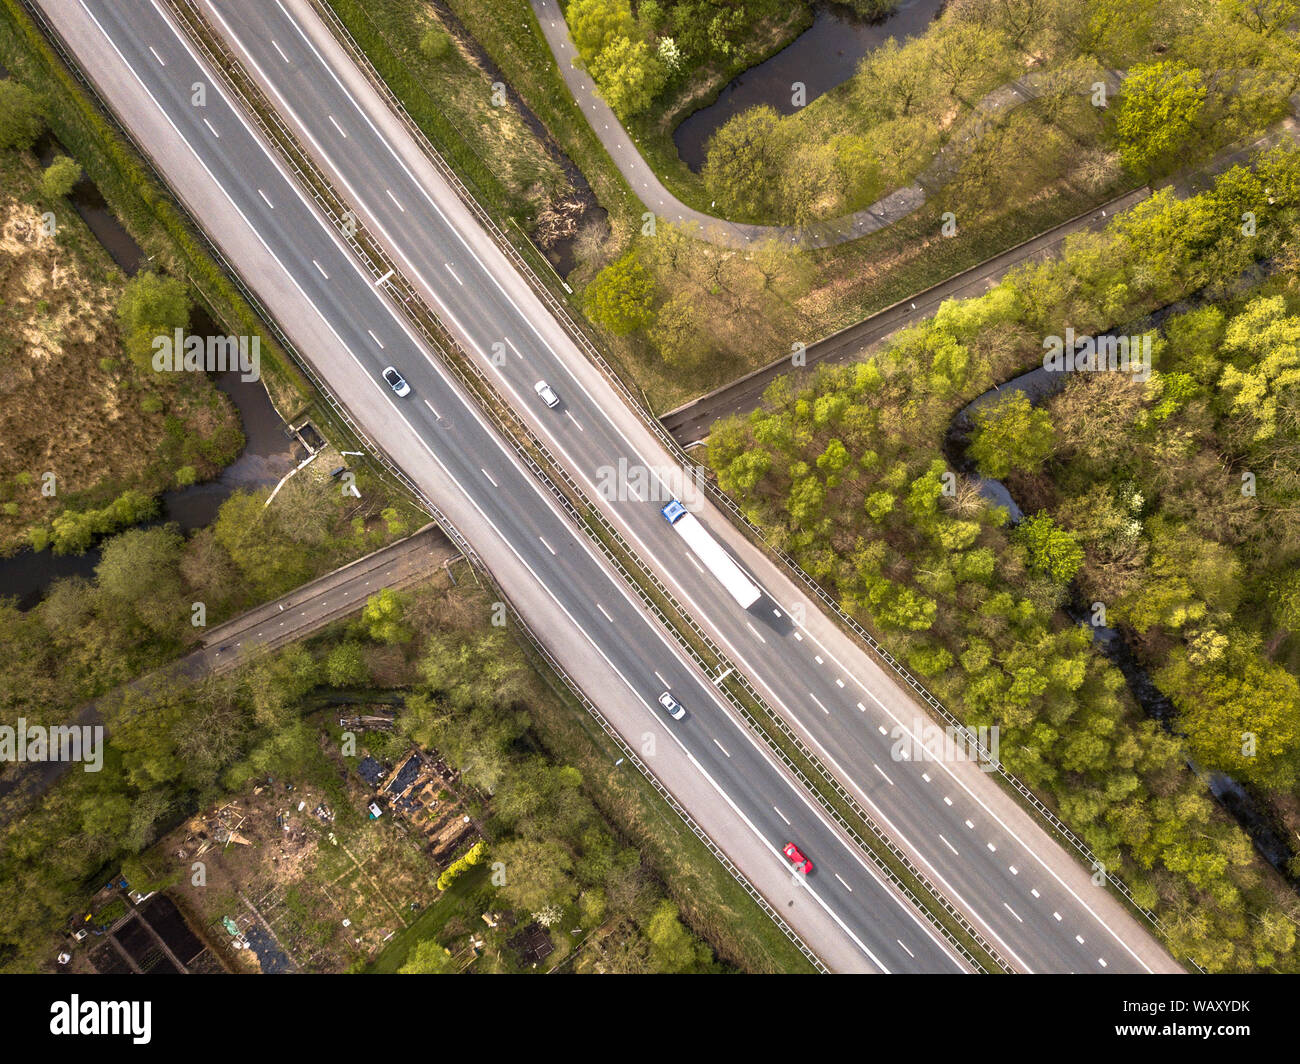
x=397 y=382
x=546 y=394
x=671 y=706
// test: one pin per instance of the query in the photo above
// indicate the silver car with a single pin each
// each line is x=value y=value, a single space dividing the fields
x=671 y=706
x=396 y=381
x=546 y=394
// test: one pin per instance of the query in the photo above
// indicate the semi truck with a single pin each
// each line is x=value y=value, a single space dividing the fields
x=715 y=559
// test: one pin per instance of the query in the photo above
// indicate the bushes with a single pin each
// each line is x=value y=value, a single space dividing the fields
x=473 y=856
x=59 y=178
x=73 y=531
x=20 y=116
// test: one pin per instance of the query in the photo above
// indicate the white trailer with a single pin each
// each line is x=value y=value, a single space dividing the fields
x=715 y=559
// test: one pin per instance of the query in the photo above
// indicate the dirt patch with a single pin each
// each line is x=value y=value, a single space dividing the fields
x=301 y=871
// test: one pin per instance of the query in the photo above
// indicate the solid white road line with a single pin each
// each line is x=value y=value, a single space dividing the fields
x=423 y=191
x=532 y=326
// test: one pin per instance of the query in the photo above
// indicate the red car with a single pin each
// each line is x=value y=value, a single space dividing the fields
x=800 y=862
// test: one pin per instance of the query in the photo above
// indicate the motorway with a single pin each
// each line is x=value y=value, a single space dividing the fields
x=1055 y=923
x=1017 y=884
x=312 y=284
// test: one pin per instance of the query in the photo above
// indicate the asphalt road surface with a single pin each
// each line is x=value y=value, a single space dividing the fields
x=964 y=838
x=1019 y=885
x=345 y=322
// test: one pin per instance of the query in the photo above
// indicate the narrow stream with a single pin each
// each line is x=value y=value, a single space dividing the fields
x=825 y=55
x=1039 y=385
x=268 y=451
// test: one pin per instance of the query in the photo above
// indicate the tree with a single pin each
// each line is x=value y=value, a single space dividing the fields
x=595 y=24
x=1050 y=550
x=671 y=944
x=1011 y=434
x=894 y=76
x=346 y=665
x=620 y=296
x=1160 y=106
x=382 y=617
x=537 y=874
x=744 y=162
x=629 y=74
x=20 y=116
x=140 y=570
x=428 y=958
x=1242 y=715
x=151 y=306
x=59 y=177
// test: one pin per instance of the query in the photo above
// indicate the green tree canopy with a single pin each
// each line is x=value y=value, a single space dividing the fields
x=1011 y=434
x=620 y=296
x=1049 y=549
x=1161 y=103
x=20 y=115
x=59 y=177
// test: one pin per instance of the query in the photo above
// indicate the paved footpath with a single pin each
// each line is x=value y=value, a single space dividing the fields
x=884 y=212
x=690 y=423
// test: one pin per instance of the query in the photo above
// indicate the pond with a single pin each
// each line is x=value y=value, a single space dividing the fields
x=823 y=56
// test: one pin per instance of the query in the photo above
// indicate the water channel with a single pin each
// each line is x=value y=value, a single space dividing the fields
x=1039 y=385
x=825 y=55
x=268 y=451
